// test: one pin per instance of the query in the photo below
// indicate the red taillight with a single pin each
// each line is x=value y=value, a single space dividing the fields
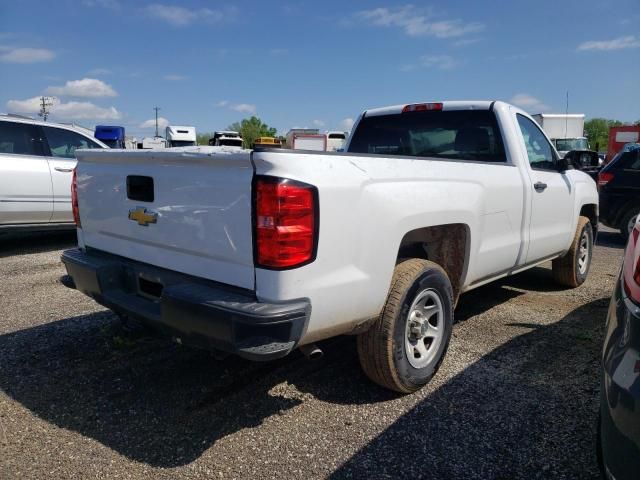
x=421 y=107
x=604 y=178
x=74 y=198
x=631 y=267
x=286 y=222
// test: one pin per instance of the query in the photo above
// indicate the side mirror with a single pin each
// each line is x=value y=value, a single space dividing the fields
x=562 y=164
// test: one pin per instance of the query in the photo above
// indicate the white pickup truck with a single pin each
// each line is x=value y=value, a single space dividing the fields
x=260 y=252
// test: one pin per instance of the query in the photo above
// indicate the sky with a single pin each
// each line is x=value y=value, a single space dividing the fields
x=312 y=64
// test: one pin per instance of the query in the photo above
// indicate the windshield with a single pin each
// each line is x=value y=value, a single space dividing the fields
x=182 y=143
x=567 y=144
x=455 y=134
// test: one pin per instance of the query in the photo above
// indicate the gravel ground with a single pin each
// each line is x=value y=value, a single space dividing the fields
x=80 y=397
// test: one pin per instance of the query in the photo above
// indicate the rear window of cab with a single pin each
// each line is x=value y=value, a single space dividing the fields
x=457 y=134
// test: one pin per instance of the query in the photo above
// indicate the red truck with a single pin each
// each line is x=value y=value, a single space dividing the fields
x=619 y=137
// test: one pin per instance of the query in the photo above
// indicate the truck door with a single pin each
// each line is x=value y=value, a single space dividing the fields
x=25 y=182
x=552 y=195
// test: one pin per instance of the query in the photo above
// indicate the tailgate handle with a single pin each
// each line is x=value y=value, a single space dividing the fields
x=140 y=188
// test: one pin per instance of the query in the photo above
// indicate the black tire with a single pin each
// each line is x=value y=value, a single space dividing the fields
x=567 y=270
x=383 y=348
x=626 y=218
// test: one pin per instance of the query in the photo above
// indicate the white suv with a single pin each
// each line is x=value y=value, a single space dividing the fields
x=36 y=162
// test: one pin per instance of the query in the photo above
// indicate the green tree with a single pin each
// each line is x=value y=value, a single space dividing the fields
x=252 y=128
x=203 y=138
x=597 y=130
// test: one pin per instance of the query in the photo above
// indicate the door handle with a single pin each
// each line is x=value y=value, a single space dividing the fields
x=61 y=169
x=540 y=186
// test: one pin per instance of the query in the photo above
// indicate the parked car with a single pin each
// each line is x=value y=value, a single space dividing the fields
x=36 y=163
x=259 y=252
x=619 y=425
x=619 y=184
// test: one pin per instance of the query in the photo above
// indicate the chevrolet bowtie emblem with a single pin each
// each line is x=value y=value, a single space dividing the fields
x=142 y=216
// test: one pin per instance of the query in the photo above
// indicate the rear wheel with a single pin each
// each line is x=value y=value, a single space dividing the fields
x=628 y=221
x=404 y=348
x=572 y=269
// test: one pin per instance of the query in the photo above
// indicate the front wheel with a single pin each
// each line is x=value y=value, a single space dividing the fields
x=404 y=348
x=572 y=269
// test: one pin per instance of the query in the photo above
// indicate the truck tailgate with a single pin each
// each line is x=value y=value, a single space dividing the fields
x=187 y=209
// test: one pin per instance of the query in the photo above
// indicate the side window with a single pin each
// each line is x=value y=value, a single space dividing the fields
x=539 y=149
x=629 y=160
x=20 y=139
x=63 y=143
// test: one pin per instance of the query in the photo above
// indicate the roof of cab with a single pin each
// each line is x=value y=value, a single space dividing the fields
x=447 y=105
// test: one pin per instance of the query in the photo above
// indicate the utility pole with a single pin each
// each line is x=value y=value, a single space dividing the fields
x=45 y=102
x=156 y=109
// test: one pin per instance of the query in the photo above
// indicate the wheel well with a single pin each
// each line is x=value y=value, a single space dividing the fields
x=591 y=212
x=446 y=245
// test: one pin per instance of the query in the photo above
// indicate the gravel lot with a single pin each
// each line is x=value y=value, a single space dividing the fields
x=80 y=397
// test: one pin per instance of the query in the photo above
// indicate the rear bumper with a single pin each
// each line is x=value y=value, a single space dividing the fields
x=194 y=311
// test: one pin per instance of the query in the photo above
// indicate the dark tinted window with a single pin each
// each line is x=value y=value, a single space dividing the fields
x=539 y=150
x=63 y=143
x=458 y=134
x=20 y=138
x=337 y=135
x=628 y=160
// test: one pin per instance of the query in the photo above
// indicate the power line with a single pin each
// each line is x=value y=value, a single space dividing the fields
x=45 y=102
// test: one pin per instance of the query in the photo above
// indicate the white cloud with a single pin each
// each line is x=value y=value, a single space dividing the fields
x=243 y=108
x=175 y=78
x=318 y=123
x=347 y=124
x=25 y=55
x=529 y=103
x=162 y=123
x=237 y=107
x=180 y=16
x=630 y=41
x=87 y=87
x=439 y=62
x=65 y=111
x=418 y=22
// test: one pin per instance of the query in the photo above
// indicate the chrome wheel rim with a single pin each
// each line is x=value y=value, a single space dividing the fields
x=632 y=223
x=424 y=328
x=583 y=253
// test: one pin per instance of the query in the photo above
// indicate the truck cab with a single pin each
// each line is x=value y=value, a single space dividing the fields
x=113 y=136
x=180 y=136
x=226 y=138
x=336 y=141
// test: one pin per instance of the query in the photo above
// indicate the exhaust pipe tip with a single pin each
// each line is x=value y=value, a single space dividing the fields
x=312 y=352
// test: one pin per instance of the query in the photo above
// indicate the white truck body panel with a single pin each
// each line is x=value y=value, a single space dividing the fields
x=316 y=143
x=367 y=204
x=152 y=143
x=560 y=125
